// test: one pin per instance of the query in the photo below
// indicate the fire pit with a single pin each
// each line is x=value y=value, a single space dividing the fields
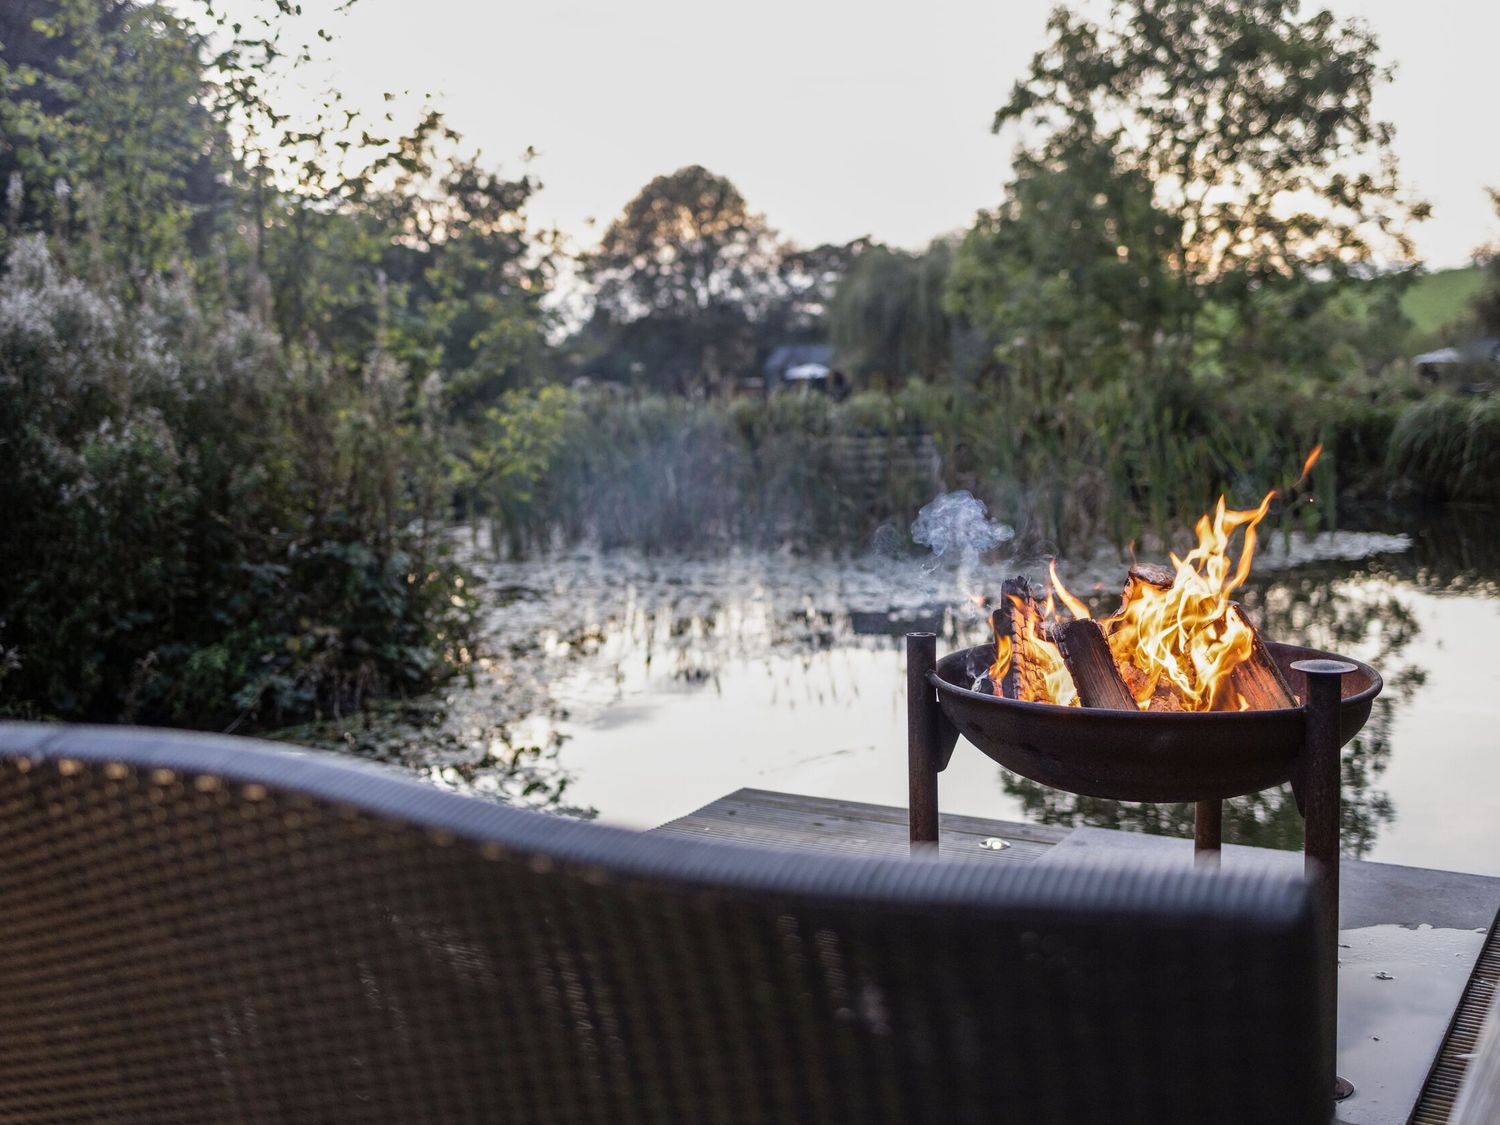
x=1138 y=755
x=1175 y=697
x=1143 y=755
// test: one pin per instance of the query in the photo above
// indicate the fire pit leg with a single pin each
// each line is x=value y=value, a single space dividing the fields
x=921 y=742
x=1208 y=832
x=1323 y=782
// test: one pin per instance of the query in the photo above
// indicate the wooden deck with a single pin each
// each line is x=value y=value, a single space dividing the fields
x=1418 y=963
x=785 y=820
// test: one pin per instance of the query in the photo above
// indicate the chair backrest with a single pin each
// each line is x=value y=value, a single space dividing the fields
x=205 y=929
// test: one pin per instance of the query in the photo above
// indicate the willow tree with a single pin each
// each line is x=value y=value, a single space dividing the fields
x=887 y=318
x=1195 y=179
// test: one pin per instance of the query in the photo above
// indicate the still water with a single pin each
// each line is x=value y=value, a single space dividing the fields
x=637 y=689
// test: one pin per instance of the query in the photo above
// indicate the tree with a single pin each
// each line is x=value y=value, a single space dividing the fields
x=1487 y=303
x=104 y=127
x=1198 y=176
x=682 y=277
x=887 y=317
x=808 y=281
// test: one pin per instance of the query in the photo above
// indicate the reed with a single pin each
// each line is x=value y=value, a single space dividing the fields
x=660 y=473
x=1448 y=448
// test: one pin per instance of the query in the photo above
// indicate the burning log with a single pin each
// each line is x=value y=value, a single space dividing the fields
x=1092 y=665
x=1010 y=620
x=1177 y=643
x=1160 y=694
x=1149 y=574
x=1258 y=680
x=1166 y=697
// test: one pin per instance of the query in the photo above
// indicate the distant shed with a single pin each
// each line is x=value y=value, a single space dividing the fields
x=1470 y=367
x=797 y=363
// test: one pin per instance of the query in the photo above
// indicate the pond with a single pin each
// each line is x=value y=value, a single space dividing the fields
x=637 y=689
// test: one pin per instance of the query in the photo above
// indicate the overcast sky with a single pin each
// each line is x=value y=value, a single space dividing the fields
x=838 y=119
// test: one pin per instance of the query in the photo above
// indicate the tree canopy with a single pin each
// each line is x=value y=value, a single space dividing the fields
x=887 y=317
x=683 y=275
x=1190 y=171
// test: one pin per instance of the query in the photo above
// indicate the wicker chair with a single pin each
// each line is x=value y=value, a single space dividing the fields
x=203 y=929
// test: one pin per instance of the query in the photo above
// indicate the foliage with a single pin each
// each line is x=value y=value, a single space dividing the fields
x=224 y=425
x=511 y=454
x=431 y=255
x=1487 y=300
x=681 y=278
x=102 y=128
x=197 y=531
x=1449 y=448
x=1200 y=179
x=665 y=473
x=1072 y=273
x=887 y=318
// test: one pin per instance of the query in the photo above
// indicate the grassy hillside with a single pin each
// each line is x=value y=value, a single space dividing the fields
x=1440 y=298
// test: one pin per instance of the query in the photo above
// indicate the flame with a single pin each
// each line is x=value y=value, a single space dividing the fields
x=1177 y=642
x=1075 y=607
x=1184 y=634
x=1043 y=675
x=1312 y=459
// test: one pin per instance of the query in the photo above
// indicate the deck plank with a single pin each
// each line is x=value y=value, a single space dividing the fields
x=816 y=824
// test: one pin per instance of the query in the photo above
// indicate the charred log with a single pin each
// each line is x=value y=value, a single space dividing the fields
x=1017 y=608
x=1092 y=666
x=1258 y=680
x=1150 y=574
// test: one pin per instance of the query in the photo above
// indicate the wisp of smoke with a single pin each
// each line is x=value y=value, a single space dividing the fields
x=958 y=528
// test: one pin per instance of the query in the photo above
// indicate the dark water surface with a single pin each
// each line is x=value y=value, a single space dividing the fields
x=637 y=689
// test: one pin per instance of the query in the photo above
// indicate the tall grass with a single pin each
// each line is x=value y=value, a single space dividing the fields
x=798 y=469
x=1448 y=448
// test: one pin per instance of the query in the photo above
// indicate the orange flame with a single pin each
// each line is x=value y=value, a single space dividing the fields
x=1175 y=643
x=1312 y=459
x=1042 y=676
x=1184 y=634
x=1075 y=607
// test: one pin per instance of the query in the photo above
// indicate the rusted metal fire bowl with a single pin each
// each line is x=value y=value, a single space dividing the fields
x=1142 y=755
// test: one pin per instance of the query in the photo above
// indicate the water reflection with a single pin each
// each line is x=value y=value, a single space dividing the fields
x=639 y=688
x=1268 y=819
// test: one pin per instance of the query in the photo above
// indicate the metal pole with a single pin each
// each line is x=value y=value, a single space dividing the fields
x=1208 y=833
x=921 y=742
x=1323 y=784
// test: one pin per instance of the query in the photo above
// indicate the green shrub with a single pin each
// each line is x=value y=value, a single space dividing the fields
x=196 y=531
x=1448 y=448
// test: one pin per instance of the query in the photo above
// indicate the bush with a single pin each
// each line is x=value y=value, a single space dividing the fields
x=1448 y=448
x=199 y=532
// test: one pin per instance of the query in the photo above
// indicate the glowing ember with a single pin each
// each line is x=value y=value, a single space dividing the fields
x=1177 y=637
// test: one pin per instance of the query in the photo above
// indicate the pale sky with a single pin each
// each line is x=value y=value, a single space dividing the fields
x=837 y=119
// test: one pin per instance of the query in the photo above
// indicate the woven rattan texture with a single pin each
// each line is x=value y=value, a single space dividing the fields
x=196 y=946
